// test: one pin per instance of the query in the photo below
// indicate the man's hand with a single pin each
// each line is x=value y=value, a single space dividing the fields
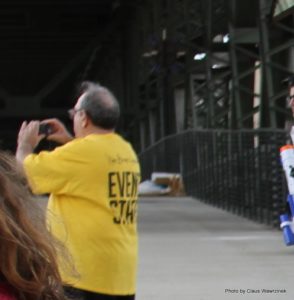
x=28 y=139
x=58 y=133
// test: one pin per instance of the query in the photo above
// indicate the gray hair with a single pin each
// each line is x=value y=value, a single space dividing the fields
x=100 y=105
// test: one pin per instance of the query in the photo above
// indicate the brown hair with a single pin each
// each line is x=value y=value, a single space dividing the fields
x=28 y=251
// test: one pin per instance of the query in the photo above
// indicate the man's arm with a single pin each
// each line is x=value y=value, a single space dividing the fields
x=59 y=133
x=29 y=137
x=23 y=151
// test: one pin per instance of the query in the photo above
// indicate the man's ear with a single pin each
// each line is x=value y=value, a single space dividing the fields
x=84 y=119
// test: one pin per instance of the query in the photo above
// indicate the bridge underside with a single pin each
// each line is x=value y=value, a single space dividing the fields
x=173 y=64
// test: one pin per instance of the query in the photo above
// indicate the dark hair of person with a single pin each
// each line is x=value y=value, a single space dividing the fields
x=27 y=249
x=100 y=105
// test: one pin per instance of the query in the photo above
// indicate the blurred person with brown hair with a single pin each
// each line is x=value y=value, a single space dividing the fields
x=28 y=267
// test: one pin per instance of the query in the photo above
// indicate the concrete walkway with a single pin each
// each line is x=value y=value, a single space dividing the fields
x=192 y=251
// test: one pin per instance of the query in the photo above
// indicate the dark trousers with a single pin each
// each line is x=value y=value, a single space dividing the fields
x=77 y=294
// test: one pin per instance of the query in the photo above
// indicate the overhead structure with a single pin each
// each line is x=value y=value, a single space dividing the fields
x=173 y=64
x=211 y=64
x=46 y=48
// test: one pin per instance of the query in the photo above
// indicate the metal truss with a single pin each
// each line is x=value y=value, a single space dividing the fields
x=211 y=64
x=260 y=52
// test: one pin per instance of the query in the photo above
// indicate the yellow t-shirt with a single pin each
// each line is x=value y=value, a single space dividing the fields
x=93 y=186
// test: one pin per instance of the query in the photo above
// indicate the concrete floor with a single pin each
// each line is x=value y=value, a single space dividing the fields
x=192 y=251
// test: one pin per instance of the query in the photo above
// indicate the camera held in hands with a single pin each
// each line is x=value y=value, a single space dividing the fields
x=46 y=129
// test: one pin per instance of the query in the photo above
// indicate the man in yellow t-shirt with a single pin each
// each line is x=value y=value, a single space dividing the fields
x=93 y=182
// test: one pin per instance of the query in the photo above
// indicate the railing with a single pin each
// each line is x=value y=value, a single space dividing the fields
x=239 y=171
